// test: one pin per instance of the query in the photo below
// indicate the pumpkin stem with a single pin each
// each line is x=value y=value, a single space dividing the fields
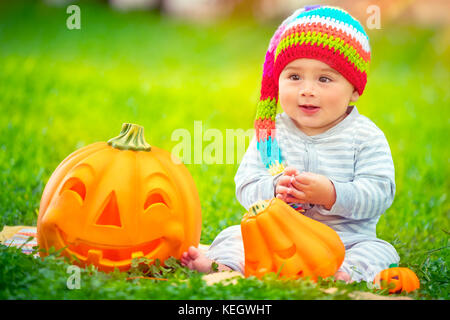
x=258 y=207
x=131 y=137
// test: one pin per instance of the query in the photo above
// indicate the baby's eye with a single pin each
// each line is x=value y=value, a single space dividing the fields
x=294 y=77
x=324 y=79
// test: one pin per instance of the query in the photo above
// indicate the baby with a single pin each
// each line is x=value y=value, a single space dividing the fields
x=320 y=155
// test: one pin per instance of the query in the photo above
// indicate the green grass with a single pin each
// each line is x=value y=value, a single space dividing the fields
x=64 y=89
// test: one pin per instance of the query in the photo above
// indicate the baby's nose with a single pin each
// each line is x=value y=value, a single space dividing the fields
x=307 y=90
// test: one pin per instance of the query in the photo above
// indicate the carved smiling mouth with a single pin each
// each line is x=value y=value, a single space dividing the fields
x=95 y=252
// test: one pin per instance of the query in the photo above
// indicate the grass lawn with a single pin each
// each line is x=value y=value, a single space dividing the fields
x=64 y=89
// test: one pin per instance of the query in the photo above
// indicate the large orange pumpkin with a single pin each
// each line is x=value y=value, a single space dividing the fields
x=113 y=201
x=279 y=239
x=404 y=279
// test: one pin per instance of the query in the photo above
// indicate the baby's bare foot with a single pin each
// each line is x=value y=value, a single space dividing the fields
x=344 y=276
x=194 y=259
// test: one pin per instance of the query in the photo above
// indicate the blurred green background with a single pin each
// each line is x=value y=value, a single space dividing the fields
x=63 y=89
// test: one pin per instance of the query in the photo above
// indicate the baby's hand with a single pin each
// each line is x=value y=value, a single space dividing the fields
x=306 y=187
x=284 y=184
x=312 y=188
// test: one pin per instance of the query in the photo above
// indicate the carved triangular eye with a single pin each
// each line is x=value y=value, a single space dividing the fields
x=76 y=185
x=110 y=215
x=154 y=198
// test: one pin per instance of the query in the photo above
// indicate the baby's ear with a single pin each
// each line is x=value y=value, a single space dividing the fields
x=355 y=96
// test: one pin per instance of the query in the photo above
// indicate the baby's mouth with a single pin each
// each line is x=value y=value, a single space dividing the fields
x=308 y=106
x=309 y=109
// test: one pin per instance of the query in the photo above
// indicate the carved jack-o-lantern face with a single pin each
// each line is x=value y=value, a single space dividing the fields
x=110 y=202
x=398 y=278
x=279 y=239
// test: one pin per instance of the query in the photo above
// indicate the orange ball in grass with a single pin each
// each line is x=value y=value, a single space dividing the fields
x=113 y=201
x=277 y=238
x=404 y=279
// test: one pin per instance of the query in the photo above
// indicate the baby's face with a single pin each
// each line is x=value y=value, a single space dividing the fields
x=314 y=95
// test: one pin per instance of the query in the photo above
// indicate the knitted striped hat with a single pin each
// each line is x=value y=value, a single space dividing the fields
x=325 y=33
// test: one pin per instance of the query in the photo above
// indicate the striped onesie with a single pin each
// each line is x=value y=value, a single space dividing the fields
x=355 y=156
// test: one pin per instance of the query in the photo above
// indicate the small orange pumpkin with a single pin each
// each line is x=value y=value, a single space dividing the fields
x=110 y=202
x=404 y=279
x=279 y=239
